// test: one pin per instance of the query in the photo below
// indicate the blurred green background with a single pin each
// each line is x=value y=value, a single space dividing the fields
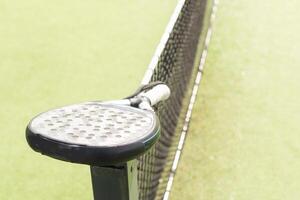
x=243 y=140
x=54 y=53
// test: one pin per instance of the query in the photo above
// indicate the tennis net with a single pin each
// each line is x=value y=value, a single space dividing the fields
x=176 y=62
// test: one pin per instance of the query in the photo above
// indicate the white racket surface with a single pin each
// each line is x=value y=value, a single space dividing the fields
x=95 y=124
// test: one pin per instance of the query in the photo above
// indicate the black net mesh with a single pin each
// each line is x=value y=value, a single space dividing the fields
x=175 y=66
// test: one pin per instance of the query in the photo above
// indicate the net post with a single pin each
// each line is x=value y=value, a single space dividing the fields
x=115 y=182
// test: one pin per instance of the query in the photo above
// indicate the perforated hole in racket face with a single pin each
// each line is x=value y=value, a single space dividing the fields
x=95 y=124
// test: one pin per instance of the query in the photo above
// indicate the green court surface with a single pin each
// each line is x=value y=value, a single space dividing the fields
x=54 y=53
x=244 y=140
x=244 y=137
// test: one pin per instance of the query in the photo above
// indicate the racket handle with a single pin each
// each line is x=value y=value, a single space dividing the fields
x=158 y=93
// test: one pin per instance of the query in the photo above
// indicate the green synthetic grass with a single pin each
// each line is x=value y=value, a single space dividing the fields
x=54 y=53
x=244 y=137
x=243 y=142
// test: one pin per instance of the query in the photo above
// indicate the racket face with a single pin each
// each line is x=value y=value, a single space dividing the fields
x=95 y=124
x=93 y=132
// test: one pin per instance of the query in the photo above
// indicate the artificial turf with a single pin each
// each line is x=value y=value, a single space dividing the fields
x=243 y=140
x=54 y=53
x=244 y=137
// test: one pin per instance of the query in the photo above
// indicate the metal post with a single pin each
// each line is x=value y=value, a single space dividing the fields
x=118 y=182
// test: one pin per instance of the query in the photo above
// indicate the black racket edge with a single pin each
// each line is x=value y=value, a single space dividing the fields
x=91 y=155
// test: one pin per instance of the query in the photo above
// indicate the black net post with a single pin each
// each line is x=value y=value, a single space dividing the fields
x=115 y=182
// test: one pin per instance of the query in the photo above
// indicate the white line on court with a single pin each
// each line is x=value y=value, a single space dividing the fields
x=191 y=103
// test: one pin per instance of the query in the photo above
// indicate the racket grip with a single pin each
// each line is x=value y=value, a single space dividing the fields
x=158 y=93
